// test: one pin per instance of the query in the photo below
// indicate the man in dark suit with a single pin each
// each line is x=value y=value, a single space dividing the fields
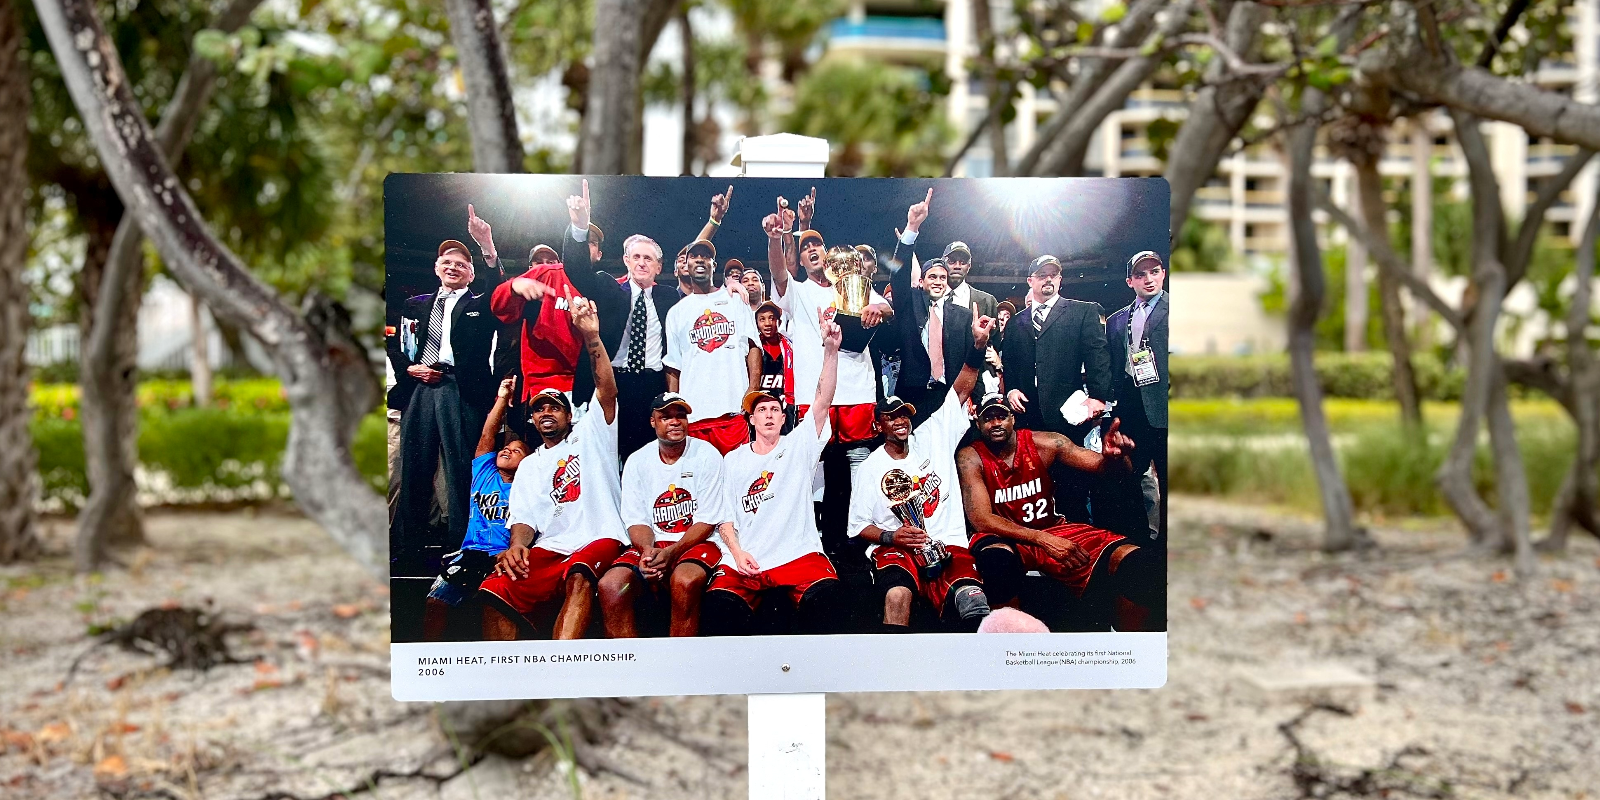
x=1137 y=341
x=958 y=259
x=446 y=382
x=935 y=337
x=1054 y=348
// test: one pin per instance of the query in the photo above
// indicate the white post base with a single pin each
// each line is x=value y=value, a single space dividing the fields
x=788 y=746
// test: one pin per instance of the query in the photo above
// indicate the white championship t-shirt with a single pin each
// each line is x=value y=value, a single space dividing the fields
x=770 y=496
x=569 y=493
x=708 y=337
x=801 y=303
x=671 y=498
x=929 y=466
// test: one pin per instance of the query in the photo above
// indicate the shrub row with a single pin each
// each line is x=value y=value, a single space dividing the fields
x=1365 y=376
x=60 y=400
x=191 y=454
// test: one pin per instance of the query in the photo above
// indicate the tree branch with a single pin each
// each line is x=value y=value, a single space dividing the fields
x=1389 y=261
x=491 y=108
x=1550 y=189
x=1501 y=30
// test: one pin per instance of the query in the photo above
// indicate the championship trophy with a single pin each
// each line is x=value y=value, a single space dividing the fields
x=905 y=500
x=846 y=270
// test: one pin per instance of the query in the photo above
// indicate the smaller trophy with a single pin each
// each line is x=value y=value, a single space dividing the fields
x=905 y=500
x=847 y=271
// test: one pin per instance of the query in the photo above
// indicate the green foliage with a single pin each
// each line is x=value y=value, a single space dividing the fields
x=1351 y=375
x=882 y=120
x=1330 y=326
x=60 y=401
x=1201 y=247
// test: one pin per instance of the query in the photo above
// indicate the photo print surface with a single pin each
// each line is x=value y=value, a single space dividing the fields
x=693 y=435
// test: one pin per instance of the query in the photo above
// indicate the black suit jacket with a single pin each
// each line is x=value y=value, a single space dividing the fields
x=472 y=338
x=911 y=313
x=987 y=304
x=1154 y=396
x=614 y=302
x=1067 y=354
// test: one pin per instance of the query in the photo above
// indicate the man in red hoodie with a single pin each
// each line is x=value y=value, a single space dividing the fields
x=536 y=299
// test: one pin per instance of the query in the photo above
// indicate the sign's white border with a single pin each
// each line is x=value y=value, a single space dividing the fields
x=776 y=664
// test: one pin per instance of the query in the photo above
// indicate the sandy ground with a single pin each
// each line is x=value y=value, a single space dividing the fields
x=1481 y=686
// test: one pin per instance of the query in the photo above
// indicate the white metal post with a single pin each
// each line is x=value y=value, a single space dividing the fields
x=788 y=732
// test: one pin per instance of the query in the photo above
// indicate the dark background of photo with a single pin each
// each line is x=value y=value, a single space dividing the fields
x=1092 y=224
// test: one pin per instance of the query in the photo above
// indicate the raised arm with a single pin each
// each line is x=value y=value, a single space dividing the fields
x=478 y=228
x=719 y=209
x=779 y=256
x=1114 y=458
x=497 y=415
x=981 y=327
x=575 y=255
x=587 y=321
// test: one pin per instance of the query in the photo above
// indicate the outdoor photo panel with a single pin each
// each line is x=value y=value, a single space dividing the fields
x=700 y=436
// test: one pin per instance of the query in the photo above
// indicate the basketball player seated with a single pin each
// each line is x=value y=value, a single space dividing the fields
x=672 y=501
x=566 y=526
x=773 y=544
x=1010 y=502
x=907 y=508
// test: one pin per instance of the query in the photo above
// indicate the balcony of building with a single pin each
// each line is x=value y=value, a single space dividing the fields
x=899 y=39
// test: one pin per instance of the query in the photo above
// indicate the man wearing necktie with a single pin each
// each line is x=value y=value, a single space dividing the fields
x=1137 y=337
x=444 y=350
x=935 y=332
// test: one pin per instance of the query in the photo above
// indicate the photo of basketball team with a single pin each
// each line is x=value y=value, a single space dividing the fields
x=627 y=406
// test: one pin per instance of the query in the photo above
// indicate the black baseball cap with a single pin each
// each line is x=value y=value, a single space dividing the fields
x=934 y=262
x=1044 y=261
x=1144 y=255
x=666 y=400
x=551 y=393
x=993 y=400
x=892 y=405
x=958 y=247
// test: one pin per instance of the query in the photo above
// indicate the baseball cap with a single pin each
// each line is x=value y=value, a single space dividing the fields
x=733 y=265
x=666 y=400
x=758 y=395
x=958 y=247
x=552 y=393
x=892 y=405
x=993 y=400
x=766 y=304
x=934 y=262
x=596 y=235
x=1006 y=306
x=701 y=244
x=451 y=244
x=807 y=235
x=867 y=251
x=1143 y=255
x=1044 y=261
x=533 y=254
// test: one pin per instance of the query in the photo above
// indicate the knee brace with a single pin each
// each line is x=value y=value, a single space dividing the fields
x=1140 y=578
x=1002 y=572
x=971 y=604
x=724 y=614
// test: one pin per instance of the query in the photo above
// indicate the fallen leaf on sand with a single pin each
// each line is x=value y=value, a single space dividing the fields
x=116 y=683
x=1575 y=708
x=1196 y=717
x=122 y=727
x=111 y=768
x=1199 y=603
x=1300 y=618
x=346 y=610
x=1499 y=576
x=1561 y=585
x=1002 y=757
x=265 y=668
x=54 y=732
x=263 y=684
x=20 y=740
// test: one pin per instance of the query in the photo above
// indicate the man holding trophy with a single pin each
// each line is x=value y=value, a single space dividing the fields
x=906 y=506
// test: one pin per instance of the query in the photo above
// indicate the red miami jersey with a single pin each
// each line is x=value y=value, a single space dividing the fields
x=1023 y=491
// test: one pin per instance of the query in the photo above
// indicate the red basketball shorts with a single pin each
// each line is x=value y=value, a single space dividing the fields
x=959 y=567
x=725 y=433
x=797 y=576
x=851 y=424
x=705 y=554
x=1093 y=540
x=548 y=571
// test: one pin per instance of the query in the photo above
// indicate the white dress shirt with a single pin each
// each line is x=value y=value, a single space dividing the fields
x=447 y=354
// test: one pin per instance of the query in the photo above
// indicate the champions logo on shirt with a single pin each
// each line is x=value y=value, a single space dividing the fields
x=930 y=485
x=674 y=510
x=566 y=484
x=710 y=331
x=760 y=491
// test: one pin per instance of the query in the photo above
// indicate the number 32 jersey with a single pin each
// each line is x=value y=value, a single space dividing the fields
x=1021 y=492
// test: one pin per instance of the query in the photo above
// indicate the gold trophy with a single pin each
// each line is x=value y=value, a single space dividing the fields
x=846 y=270
x=905 y=500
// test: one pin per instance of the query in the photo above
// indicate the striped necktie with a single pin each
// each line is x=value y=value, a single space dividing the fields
x=430 y=351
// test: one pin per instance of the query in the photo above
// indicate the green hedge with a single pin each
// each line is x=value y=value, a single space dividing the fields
x=191 y=454
x=1353 y=375
x=60 y=400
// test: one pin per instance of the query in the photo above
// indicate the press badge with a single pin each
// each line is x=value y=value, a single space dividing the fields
x=1144 y=367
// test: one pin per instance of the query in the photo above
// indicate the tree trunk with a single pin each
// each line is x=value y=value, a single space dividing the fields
x=1220 y=109
x=1369 y=185
x=1355 y=292
x=19 y=487
x=687 y=32
x=1510 y=478
x=1488 y=286
x=199 y=356
x=1067 y=153
x=994 y=122
x=1422 y=215
x=1575 y=504
x=491 y=108
x=1341 y=532
x=613 y=122
x=315 y=367
x=108 y=376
